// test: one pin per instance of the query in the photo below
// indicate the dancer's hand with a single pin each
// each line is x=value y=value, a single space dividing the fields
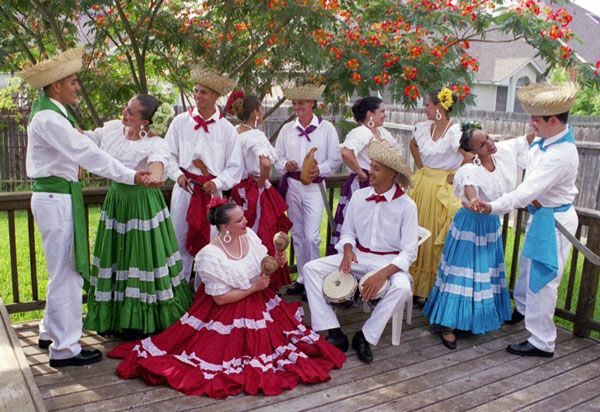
x=139 y=177
x=209 y=187
x=362 y=176
x=372 y=286
x=261 y=282
x=281 y=258
x=347 y=261
x=184 y=183
x=291 y=166
x=313 y=173
x=153 y=181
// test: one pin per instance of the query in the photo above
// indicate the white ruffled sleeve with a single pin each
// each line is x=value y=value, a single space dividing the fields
x=453 y=134
x=158 y=151
x=98 y=134
x=212 y=272
x=356 y=140
x=422 y=133
x=466 y=175
x=259 y=145
x=256 y=244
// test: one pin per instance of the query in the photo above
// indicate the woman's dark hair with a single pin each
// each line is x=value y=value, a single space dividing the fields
x=149 y=105
x=362 y=106
x=433 y=95
x=219 y=215
x=243 y=108
x=468 y=128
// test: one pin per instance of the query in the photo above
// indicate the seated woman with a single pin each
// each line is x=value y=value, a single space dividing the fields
x=470 y=290
x=137 y=286
x=238 y=335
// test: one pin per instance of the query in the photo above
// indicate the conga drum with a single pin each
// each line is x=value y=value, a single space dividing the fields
x=339 y=287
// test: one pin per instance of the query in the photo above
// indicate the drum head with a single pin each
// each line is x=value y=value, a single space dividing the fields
x=383 y=288
x=339 y=286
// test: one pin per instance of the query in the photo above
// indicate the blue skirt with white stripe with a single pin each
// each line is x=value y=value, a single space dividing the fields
x=470 y=289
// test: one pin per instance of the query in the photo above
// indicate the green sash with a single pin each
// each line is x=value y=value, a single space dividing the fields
x=55 y=184
x=44 y=103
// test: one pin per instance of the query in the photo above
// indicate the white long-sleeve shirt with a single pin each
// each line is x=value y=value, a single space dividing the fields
x=358 y=140
x=219 y=149
x=291 y=147
x=386 y=226
x=549 y=178
x=55 y=148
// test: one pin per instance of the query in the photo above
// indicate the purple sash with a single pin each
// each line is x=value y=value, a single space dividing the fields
x=282 y=185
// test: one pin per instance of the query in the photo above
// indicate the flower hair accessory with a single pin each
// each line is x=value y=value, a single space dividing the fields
x=445 y=98
x=233 y=97
x=160 y=119
x=470 y=124
x=216 y=202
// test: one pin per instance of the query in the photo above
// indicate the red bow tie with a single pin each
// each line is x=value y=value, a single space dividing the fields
x=376 y=198
x=200 y=122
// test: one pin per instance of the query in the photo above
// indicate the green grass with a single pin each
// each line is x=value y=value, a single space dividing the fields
x=23 y=265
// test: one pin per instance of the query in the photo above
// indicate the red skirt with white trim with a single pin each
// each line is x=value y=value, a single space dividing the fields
x=258 y=344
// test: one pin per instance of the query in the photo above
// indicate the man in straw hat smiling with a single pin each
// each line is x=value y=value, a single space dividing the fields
x=55 y=149
x=548 y=191
x=379 y=234
x=296 y=139
x=205 y=144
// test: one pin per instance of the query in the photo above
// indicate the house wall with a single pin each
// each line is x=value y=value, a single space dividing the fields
x=527 y=71
x=485 y=97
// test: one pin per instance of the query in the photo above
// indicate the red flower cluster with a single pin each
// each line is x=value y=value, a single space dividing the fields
x=353 y=64
x=469 y=61
x=461 y=90
x=412 y=92
x=563 y=17
x=410 y=73
x=565 y=52
x=355 y=79
x=597 y=68
x=390 y=60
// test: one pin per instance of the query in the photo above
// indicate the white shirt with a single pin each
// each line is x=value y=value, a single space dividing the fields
x=550 y=178
x=511 y=155
x=255 y=144
x=291 y=147
x=385 y=226
x=219 y=149
x=442 y=153
x=358 y=140
x=135 y=154
x=220 y=274
x=55 y=148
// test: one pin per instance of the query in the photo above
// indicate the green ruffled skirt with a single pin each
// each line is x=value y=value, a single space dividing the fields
x=137 y=281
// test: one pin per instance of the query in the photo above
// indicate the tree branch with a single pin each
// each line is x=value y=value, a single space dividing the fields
x=274 y=108
x=135 y=46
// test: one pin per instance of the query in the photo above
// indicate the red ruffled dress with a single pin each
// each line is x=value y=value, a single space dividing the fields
x=258 y=344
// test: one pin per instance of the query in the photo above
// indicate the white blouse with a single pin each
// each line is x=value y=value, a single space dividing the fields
x=511 y=155
x=442 y=153
x=220 y=274
x=358 y=140
x=255 y=144
x=135 y=154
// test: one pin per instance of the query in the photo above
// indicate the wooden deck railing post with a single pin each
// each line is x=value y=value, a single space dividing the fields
x=588 y=288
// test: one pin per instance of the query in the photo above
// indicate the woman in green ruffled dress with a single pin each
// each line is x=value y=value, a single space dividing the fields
x=137 y=286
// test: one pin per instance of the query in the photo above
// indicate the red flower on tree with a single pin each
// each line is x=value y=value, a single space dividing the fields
x=412 y=92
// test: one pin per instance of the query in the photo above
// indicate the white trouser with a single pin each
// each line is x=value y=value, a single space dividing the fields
x=62 y=320
x=306 y=212
x=538 y=308
x=322 y=315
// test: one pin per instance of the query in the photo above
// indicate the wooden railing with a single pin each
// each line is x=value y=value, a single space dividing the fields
x=582 y=287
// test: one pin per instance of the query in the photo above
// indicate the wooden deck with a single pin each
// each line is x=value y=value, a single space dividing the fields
x=418 y=374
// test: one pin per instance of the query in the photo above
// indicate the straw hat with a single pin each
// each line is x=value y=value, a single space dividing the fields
x=212 y=79
x=542 y=99
x=387 y=153
x=306 y=92
x=53 y=69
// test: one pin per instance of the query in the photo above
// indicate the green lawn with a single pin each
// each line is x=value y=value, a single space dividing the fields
x=25 y=281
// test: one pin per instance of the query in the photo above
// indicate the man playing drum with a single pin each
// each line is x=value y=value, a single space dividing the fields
x=379 y=234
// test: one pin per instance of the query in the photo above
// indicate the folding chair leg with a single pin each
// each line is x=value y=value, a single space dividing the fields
x=409 y=305
x=397 y=323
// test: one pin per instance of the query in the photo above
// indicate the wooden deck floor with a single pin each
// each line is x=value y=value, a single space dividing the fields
x=418 y=374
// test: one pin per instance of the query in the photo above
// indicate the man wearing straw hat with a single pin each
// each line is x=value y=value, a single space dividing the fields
x=55 y=149
x=379 y=234
x=548 y=191
x=205 y=144
x=305 y=200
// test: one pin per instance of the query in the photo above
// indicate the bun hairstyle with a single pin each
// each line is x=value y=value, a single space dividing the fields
x=468 y=128
x=244 y=107
x=434 y=96
x=364 y=105
x=218 y=211
x=149 y=105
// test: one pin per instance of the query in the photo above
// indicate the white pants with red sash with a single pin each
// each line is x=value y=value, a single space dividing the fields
x=322 y=315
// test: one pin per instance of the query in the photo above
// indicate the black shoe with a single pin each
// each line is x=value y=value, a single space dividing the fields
x=515 y=318
x=295 y=289
x=527 y=349
x=44 y=344
x=85 y=357
x=362 y=347
x=446 y=334
x=340 y=342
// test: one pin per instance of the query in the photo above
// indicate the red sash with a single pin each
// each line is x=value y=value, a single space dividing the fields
x=198 y=234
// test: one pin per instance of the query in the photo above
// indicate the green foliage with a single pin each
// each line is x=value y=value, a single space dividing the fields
x=587 y=102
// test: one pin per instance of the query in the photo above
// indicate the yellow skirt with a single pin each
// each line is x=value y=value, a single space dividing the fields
x=436 y=205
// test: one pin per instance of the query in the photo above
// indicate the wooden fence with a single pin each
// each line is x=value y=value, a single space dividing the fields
x=578 y=308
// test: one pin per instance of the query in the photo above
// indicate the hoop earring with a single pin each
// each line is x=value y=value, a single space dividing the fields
x=371 y=123
x=255 y=122
x=477 y=160
x=438 y=115
x=143 y=134
x=226 y=237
